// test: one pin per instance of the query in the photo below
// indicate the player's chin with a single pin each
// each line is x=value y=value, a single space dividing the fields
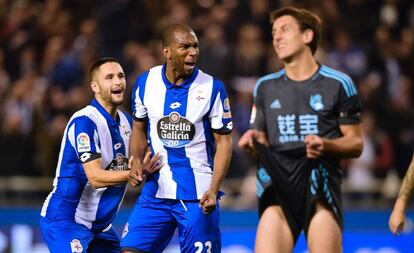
x=117 y=99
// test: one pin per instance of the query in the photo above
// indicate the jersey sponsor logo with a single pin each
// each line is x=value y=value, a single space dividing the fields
x=76 y=246
x=316 y=102
x=84 y=143
x=275 y=104
x=175 y=131
x=175 y=105
x=288 y=131
x=120 y=163
x=85 y=156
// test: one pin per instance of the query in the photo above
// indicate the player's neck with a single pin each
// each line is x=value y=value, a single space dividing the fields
x=109 y=108
x=302 y=67
x=173 y=76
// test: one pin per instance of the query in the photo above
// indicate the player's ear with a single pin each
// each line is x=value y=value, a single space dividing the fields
x=308 y=36
x=167 y=53
x=94 y=87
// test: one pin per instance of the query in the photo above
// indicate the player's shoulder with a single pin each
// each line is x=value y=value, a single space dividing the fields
x=84 y=115
x=267 y=79
x=333 y=73
x=343 y=80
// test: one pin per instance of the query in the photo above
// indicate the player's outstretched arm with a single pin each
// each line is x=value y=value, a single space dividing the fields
x=397 y=219
x=350 y=145
x=224 y=147
x=98 y=177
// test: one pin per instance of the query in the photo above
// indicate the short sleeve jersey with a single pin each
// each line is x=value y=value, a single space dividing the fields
x=90 y=134
x=181 y=122
x=288 y=110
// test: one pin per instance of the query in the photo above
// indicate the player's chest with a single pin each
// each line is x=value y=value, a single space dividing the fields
x=298 y=101
x=189 y=105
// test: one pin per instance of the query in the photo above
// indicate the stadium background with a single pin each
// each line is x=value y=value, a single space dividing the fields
x=47 y=47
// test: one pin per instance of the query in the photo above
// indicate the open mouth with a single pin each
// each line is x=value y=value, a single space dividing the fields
x=117 y=91
x=189 y=64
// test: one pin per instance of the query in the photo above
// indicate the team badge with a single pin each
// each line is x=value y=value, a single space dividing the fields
x=76 y=246
x=125 y=130
x=226 y=104
x=316 y=102
x=84 y=143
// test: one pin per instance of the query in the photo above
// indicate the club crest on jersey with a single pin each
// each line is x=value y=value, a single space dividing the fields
x=84 y=143
x=120 y=163
x=175 y=131
x=125 y=130
x=76 y=246
x=316 y=102
x=175 y=105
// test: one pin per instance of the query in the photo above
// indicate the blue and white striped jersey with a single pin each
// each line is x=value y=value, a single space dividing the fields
x=181 y=122
x=91 y=133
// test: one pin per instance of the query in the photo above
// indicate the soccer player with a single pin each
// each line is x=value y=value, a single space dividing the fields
x=186 y=115
x=304 y=119
x=92 y=170
x=397 y=218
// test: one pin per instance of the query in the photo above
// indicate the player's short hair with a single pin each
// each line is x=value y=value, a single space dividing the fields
x=168 y=34
x=306 y=20
x=95 y=66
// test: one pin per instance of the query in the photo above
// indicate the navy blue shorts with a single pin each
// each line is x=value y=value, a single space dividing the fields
x=153 y=221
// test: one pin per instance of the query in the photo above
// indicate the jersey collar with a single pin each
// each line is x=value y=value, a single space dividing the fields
x=186 y=84
x=111 y=121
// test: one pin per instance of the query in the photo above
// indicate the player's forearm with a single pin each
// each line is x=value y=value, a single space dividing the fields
x=221 y=161
x=107 y=178
x=138 y=142
x=407 y=186
x=344 y=147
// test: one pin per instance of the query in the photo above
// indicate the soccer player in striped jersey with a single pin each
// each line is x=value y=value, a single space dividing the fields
x=92 y=170
x=185 y=114
x=304 y=119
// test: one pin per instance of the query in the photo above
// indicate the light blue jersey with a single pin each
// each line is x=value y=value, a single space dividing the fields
x=181 y=122
x=90 y=134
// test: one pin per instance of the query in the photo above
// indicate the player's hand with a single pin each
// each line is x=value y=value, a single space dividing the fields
x=397 y=221
x=314 y=146
x=246 y=141
x=151 y=165
x=208 y=202
x=133 y=176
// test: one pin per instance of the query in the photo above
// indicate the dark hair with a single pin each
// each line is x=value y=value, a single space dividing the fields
x=95 y=66
x=168 y=34
x=306 y=20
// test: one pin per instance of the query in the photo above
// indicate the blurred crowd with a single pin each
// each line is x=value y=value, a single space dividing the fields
x=47 y=47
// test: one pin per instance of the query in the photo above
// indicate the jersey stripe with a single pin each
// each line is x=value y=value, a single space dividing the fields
x=266 y=78
x=345 y=80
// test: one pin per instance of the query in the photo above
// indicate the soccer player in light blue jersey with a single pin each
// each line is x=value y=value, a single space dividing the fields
x=185 y=114
x=92 y=170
